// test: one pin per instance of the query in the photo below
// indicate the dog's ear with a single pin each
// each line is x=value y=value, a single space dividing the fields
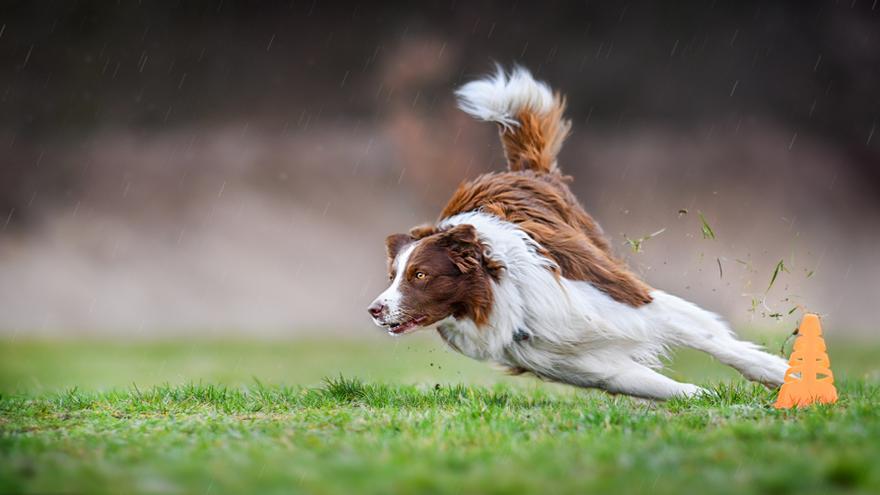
x=463 y=246
x=422 y=231
x=394 y=243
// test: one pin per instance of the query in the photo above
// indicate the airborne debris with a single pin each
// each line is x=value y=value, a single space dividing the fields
x=682 y=212
x=708 y=233
x=747 y=265
x=787 y=340
x=636 y=244
x=780 y=267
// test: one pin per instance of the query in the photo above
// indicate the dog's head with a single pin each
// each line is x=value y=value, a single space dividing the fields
x=435 y=274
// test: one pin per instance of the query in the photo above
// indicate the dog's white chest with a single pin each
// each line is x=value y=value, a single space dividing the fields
x=519 y=348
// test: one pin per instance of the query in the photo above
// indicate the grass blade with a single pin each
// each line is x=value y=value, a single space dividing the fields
x=707 y=231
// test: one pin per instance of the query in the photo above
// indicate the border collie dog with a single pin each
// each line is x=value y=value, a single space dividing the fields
x=516 y=272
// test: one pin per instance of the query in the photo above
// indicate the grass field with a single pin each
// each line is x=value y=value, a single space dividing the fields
x=405 y=416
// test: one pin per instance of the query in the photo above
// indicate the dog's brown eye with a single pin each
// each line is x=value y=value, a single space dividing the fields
x=421 y=275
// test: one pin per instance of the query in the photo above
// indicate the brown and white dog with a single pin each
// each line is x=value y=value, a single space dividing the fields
x=516 y=272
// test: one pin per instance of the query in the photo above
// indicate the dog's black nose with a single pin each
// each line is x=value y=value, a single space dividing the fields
x=376 y=309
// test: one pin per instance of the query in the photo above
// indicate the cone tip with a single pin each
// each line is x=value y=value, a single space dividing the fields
x=810 y=325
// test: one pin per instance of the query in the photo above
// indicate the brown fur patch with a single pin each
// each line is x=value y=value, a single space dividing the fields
x=535 y=142
x=422 y=231
x=394 y=243
x=543 y=206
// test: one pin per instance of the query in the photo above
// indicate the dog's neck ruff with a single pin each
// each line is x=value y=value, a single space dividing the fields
x=526 y=284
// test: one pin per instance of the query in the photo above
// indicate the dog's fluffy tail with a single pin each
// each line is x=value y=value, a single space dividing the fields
x=529 y=115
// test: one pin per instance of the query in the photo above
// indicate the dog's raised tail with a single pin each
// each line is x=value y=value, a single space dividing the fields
x=528 y=113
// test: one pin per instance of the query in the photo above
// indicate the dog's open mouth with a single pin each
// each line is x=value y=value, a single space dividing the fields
x=406 y=326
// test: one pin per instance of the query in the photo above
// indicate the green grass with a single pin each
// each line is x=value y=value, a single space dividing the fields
x=405 y=416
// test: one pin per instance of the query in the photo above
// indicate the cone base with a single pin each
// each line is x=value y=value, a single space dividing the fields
x=795 y=395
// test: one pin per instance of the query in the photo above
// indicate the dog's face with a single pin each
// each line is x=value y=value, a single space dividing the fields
x=434 y=275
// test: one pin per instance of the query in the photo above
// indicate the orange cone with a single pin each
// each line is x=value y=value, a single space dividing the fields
x=809 y=377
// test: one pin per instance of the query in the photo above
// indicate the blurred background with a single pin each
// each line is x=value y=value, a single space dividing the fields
x=231 y=169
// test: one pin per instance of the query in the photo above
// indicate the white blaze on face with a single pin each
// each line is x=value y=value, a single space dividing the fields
x=392 y=296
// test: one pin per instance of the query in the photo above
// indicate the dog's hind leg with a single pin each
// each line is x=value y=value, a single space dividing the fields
x=745 y=357
x=688 y=325
x=622 y=375
x=638 y=380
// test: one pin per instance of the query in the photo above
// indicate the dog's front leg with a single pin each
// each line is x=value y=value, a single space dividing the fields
x=448 y=333
x=462 y=336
